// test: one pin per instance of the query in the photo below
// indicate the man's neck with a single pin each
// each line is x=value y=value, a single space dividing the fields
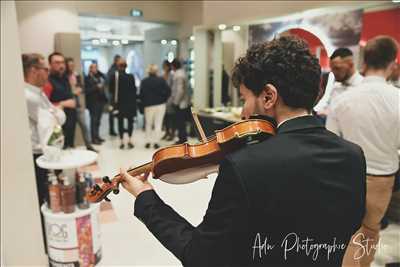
x=379 y=73
x=349 y=78
x=288 y=115
x=31 y=82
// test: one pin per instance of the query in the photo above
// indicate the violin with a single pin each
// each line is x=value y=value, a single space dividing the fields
x=185 y=163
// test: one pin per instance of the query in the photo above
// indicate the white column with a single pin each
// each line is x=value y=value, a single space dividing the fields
x=201 y=83
x=21 y=232
x=217 y=67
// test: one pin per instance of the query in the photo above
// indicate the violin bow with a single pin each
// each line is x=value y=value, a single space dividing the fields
x=198 y=126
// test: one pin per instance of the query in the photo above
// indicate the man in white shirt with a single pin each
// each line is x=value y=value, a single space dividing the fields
x=346 y=76
x=368 y=115
x=39 y=110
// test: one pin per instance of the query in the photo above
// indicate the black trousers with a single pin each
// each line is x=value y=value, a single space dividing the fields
x=111 y=118
x=42 y=186
x=180 y=124
x=121 y=128
x=69 y=127
x=96 y=111
x=169 y=123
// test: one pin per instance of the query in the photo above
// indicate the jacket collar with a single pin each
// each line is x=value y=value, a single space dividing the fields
x=299 y=123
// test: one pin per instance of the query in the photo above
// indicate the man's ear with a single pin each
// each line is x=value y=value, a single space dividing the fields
x=270 y=96
x=391 y=68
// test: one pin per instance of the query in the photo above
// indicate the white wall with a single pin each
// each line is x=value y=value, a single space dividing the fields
x=38 y=21
x=21 y=233
x=216 y=12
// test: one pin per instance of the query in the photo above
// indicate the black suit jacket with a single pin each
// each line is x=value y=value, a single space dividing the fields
x=95 y=90
x=126 y=98
x=292 y=200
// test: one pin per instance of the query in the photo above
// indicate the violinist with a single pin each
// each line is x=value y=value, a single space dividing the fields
x=293 y=199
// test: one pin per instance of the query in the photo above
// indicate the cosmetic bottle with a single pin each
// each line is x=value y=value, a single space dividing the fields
x=81 y=190
x=54 y=194
x=67 y=196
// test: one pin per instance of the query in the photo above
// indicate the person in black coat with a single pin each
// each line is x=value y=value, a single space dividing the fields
x=154 y=92
x=110 y=73
x=294 y=199
x=123 y=95
x=95 y=100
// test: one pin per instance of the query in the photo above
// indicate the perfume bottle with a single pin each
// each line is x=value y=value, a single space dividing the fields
x=54 y=194
x=67 y=196
x=81 y=190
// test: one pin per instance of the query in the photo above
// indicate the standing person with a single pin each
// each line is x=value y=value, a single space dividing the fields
x=96 y=99
x=368 y=115
x=154 y=92
x=123 y=94
x=35 y=76
x=59 y=92
x=225 y=98
x=110 y=74
x=291 y=200
x=170 y=111
x=346 y=76
x=180 y=99
x=394 y=78
x=75 y=82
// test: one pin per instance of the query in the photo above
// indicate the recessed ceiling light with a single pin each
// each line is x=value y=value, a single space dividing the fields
x=174 y=42
x=89 y=47
x=236 y=28
x=124 y=41
x=192 y=38
x=115 y=42
x=95 y=42
x=222 y=27
x=103 y=40
x=163 y=42
x=103 y=28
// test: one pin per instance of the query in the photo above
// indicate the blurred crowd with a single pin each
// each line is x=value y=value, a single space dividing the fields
x=162 y=99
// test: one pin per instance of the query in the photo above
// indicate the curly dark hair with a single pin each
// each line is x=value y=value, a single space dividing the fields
x=285 y=62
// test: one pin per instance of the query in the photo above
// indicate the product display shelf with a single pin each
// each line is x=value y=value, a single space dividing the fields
x=73 y=239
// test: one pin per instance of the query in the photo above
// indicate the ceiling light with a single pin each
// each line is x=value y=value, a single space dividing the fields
x=192 y=38
x=124 y=41
x=163 y=42
x=174 y=42
x=396 y=1
x=103 y=40
x=103 y=28
x=236 y=28
x=222 y=27
x=136 y=13
x=115 y=42
x=95 y=42
x=89 y=48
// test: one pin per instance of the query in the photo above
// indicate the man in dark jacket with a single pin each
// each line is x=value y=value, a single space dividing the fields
x=110 y=74
x=154 y=93
x=123 y=97
x=59 y=92
x=95 y=100
x=294 y=199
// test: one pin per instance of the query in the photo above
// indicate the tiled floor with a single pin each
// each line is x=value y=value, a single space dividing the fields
x=127 y=242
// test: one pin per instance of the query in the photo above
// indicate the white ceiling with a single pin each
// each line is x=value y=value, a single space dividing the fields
x=92 y=27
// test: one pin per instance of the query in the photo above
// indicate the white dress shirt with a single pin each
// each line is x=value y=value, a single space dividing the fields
x=337 y=89
x=42 y=116
x=369 y=115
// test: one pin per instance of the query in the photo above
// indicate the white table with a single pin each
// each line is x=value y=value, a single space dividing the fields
x=69 y=159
